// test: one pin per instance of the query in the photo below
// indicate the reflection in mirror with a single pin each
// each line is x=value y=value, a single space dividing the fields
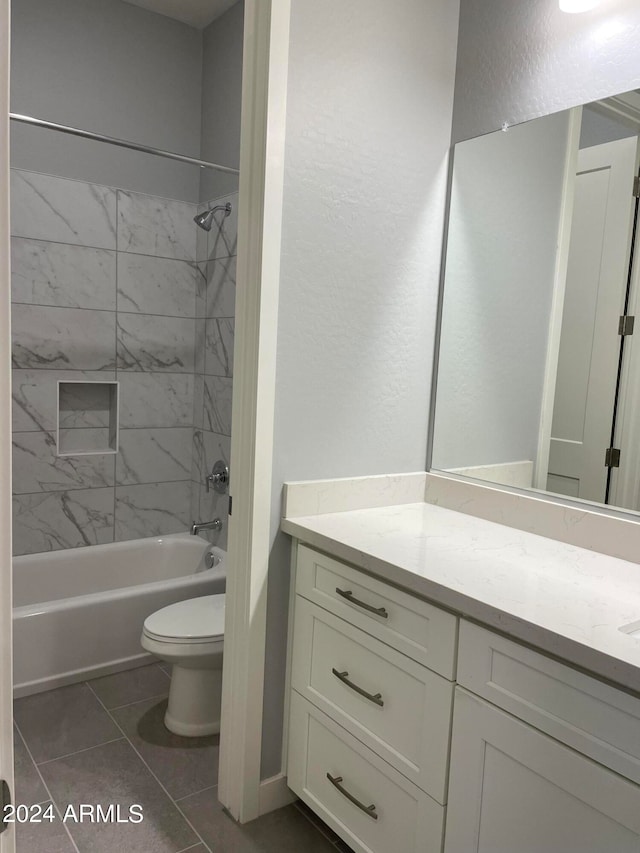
x=538 y=382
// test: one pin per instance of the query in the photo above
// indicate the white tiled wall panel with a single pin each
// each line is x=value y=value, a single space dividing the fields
x=109 y=285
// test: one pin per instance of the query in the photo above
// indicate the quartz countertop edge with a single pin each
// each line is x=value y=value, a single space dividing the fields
x=567 y=601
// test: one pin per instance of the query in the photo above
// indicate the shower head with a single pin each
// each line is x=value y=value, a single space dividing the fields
x=205 y=220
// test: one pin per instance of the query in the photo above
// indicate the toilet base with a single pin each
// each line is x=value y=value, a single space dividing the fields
x=194 y=702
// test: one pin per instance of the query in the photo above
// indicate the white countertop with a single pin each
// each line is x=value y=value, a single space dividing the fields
x=562 y=599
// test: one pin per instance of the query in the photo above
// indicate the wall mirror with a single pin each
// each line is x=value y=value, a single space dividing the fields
x=538 y=379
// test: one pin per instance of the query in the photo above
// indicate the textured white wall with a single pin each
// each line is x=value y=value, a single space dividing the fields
x=524 y=58
x=369 y=120
x=111 y=68
x=503 y=234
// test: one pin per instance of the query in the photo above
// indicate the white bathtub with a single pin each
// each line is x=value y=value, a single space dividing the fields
x=79 y=613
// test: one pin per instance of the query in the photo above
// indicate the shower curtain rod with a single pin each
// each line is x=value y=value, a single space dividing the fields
x=122 y=143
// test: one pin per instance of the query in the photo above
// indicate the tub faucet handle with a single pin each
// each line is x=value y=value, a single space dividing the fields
x=218 y=479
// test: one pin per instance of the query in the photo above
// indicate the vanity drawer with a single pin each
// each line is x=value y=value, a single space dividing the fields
x=405 y=715
x=413 y=627
x=405 y=818
x=582 y=712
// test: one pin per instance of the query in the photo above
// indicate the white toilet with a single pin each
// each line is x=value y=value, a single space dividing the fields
x=190 y=635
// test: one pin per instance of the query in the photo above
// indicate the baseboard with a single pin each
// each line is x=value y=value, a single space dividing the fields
x=274 y=794
x=41 y=685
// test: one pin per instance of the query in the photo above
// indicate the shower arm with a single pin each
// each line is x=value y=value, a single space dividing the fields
x=226 y=207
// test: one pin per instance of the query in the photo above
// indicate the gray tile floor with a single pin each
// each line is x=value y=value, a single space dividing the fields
x=104 y=741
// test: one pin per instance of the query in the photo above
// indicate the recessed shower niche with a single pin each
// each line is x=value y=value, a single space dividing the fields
x=87 y=418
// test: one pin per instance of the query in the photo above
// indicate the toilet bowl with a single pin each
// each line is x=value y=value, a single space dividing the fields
x=190 y=635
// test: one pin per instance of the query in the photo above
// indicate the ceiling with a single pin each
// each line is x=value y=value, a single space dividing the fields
x=196 y=13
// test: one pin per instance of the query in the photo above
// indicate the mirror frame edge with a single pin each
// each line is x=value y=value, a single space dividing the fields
x=535 y=494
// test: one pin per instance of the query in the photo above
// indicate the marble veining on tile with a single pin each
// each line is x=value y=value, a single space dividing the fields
x=219 y=347
x=200 y=344
x=149 y=225
x=223 y=237
x=208 y=447
x=201 y=289
x=95 y=440
x=62 y=338
x=148 y=285
x=155 y=399
x=35 y=398
x=198 y=472
x=154 y=455
x=106 y=279
x=217 y=404
x=221 y=287
x=198 y=402
x=44 y=273
x=49 y=521
x=151 y=510
x=38 y=468
x=64 y=211
x=153 y=343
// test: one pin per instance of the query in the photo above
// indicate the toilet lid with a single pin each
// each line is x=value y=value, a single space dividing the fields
x=194 y=620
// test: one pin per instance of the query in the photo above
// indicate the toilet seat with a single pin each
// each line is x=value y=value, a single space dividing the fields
x=196 y=620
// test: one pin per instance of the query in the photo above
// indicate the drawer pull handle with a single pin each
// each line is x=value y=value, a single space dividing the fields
x=370 y=696
x=379 y=611
x=336 y=780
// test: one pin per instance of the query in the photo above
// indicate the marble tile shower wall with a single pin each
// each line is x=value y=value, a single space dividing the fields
x=106 y=286
x=215 y=312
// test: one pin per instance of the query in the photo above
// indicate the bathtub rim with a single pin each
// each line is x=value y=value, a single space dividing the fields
x=22 y=613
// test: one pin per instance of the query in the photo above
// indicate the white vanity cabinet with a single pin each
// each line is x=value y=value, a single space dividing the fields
x=563 y=781
x=414 y=731
x=370 y=707
x=516 y=790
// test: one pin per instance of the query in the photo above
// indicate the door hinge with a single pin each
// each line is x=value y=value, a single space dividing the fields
x=230 y=503
x=636 y=186
x=612 y=457
x=5 y=800
x=625 y=326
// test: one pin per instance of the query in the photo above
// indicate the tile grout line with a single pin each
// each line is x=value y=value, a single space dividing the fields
x=184 y=817
x=195 y=793
x=115 y=250
x=77 y=752
x=137 y=701
x=126 y=486
x=191 y=262
x=46 y=787
x=108 y=311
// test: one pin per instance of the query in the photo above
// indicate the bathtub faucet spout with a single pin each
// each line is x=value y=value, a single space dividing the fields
x=216 y=524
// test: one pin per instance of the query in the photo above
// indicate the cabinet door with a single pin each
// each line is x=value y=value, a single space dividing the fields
x=514 y=790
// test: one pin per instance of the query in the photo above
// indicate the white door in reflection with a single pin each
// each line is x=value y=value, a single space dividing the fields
x=596 y=296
